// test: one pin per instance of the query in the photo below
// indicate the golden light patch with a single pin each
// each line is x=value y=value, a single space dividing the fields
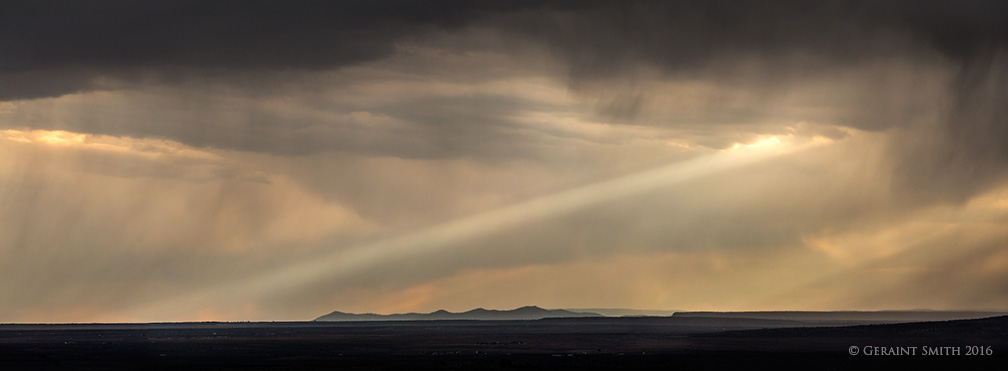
x=59 y=137
x=16 y=136
x=821 y=139
x=762 y=143
x=136 y=146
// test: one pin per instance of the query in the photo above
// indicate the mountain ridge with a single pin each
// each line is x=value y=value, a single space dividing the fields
x=523 y=313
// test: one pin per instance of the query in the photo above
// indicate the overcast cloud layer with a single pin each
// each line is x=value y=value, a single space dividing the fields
x=277 y=160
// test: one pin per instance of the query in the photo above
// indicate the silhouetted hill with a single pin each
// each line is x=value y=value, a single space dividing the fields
x=523 y=313
x=623 y=312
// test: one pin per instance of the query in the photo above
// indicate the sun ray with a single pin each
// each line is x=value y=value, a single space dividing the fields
x=343 y=263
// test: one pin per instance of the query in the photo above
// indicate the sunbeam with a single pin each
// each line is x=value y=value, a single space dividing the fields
x=347 y=262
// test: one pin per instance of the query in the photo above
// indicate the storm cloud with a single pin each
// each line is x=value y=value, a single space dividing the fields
x=164 y=41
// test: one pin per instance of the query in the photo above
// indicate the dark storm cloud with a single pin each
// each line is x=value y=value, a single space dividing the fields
x=683 y=35
x=716 y=39
x=968 y=151
x=55 y=48
x=598 y=38
x=44 y=42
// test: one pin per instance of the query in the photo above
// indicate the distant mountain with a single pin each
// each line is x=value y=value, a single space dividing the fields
x=523 y=313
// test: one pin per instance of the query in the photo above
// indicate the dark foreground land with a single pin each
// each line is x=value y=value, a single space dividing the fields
x=666 y=343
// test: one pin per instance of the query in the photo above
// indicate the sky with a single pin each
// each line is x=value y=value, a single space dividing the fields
x=268 y=160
